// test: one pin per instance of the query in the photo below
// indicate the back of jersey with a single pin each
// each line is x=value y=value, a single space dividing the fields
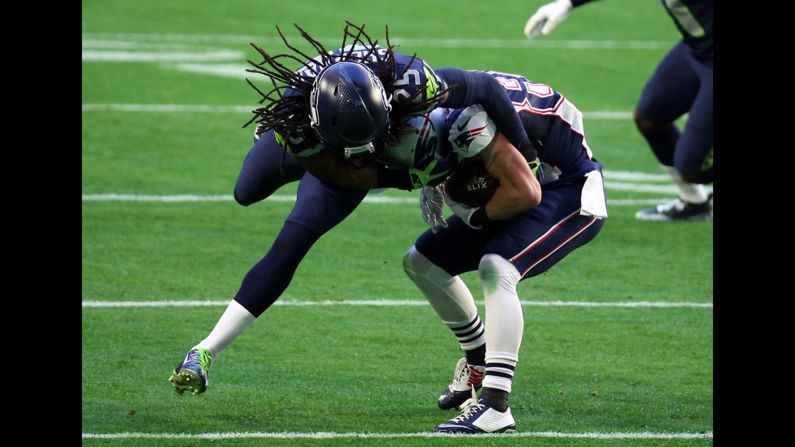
x=551 y=121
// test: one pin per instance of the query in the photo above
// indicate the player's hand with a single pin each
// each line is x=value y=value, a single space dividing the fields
x=432 y=205
x=547 y=18
x=465 y=212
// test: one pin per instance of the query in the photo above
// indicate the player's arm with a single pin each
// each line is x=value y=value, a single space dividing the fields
x=478 y=87
x=312 y=156
x=519 y=189
x=335 y=171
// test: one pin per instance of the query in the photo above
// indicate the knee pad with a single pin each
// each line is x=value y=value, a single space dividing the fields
x=415 y=263
x=448 y=295
x=496 y=271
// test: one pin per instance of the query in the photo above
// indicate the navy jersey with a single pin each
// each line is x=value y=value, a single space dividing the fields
x=417 y=83
x=549 y=119
x=693 y=18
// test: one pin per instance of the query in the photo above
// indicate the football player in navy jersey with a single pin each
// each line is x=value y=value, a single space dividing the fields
x=327 y=125
x=533 y=220
x=681 y=84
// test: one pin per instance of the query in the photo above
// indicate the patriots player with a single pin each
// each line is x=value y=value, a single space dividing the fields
x=328 y=125
x=531 y=223
x=681 y=84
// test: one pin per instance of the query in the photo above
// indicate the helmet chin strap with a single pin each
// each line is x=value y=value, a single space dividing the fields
x=367 y=148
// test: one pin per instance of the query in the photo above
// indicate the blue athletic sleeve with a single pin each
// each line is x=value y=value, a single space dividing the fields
x=478 y=87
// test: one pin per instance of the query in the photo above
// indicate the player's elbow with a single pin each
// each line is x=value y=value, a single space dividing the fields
x=529 y=192
x=531 y=195
x=523 y=196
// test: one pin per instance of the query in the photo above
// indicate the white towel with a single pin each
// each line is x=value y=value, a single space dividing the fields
x=592 y=200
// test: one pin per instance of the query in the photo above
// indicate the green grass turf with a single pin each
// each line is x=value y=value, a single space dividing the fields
x=361 y=369
x=380 y=368
x=135 y=251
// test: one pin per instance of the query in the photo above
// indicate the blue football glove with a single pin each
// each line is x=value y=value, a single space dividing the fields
x=432 y=205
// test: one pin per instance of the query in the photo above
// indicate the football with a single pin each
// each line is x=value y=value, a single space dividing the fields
x=471 y=184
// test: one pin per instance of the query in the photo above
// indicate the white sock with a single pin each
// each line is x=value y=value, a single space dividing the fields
x=231 y=324
x=689 y=192
x=504 y=320
x=449 y=297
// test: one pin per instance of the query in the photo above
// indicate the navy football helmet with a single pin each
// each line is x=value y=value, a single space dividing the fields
x=349 y=108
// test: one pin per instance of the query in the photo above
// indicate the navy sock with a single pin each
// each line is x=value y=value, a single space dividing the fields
x=497 y=399
x=477 y=356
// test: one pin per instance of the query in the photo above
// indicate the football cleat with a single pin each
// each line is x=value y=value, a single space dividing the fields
x=466 y=377
x=191 y=374
x=678 y=210
x=478 y=417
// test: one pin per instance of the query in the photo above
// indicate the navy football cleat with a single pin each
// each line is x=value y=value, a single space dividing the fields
x=478 y=418
x=465 y=378
x=191 y=374
x=678 y=210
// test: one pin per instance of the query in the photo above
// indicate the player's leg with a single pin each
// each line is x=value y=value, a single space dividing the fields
x=267 y=167
x=527 y=245
x=692 y=157
x=433 y=264
x=318 y=208
x=668 y=95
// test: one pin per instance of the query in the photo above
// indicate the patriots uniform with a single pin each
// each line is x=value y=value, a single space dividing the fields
x=550 y=120
x=572 y=208
x=417 y=83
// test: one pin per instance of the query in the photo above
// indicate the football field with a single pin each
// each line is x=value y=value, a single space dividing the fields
x=617 y=346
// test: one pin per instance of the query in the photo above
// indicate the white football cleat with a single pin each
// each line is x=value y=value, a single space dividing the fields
x=465 y=378
x=478 y=417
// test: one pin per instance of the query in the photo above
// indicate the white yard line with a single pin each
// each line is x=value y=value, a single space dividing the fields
x=390 y=303
x=329 y=41
x=168 y=108
x=335 y=435
x=150 y=56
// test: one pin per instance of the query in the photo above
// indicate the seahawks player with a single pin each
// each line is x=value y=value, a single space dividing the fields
x=529 y=224
x=327 y=126
x=681 y=84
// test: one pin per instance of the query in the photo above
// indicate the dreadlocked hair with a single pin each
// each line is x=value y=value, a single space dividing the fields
x=289 y=115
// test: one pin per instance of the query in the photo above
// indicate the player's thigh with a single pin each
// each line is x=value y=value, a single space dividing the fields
x=672 y=88
x=457 y=248
x=539 y=238
x=320 y=206
x=267 y=167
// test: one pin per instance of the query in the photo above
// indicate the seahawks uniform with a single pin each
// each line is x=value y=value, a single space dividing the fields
x=682 y=83
x=572 y=208
x=693 y=19
x=417 y=82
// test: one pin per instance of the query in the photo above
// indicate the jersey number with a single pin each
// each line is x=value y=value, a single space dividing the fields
x=410 y=77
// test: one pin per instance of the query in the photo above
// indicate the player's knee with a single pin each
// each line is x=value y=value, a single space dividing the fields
x=415 y=263
x=242 y=198
x=647 y=126
x=497 y=271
